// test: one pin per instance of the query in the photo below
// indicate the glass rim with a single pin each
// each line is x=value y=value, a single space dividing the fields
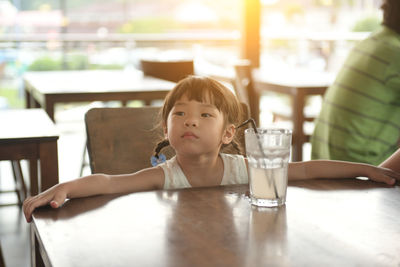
x=270 y=130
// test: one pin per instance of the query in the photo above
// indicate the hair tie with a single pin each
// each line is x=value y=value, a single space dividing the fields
x=156 y=160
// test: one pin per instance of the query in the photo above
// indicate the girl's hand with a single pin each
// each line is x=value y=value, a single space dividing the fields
x=384 y=175
x=55 y=196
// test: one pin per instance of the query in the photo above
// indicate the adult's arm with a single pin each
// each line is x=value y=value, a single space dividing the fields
x=393 y=162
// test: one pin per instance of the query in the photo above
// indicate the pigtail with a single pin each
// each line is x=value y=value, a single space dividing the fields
x=160 y=146
x=237 y=147
x=234 y=147
x=159 y=158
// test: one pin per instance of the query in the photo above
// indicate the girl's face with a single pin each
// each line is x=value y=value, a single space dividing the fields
x=195 y=128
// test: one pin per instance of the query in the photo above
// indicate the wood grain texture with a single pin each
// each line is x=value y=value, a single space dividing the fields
x=30 y=134
x=47 y=88
x=170 y=70
x=324 y=223
x=122 y=140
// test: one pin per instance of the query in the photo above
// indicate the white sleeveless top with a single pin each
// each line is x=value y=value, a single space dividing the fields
x=235 y=172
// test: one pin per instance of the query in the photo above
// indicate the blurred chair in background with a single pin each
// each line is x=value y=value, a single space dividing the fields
x=2 y=263
x=174 y=70
x=245 y=91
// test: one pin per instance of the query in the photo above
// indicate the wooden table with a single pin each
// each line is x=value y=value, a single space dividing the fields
x=324 y=223
x=30 y=134
x=299 y=85
x=46 y=88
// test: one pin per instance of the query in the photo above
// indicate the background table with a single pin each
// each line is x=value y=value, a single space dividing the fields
x=298 y=85
x=324 y=223
x=46 y=88
x=30 y=134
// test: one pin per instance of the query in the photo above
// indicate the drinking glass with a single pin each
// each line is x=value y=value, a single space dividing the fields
x=268 y=152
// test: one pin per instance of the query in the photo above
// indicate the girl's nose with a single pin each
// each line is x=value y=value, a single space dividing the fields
x=191 y=122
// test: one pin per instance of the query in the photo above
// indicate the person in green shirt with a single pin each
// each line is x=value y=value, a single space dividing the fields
x=360 y=115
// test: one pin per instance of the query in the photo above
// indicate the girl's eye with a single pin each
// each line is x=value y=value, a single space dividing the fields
x=206 y=115
x=179 y=113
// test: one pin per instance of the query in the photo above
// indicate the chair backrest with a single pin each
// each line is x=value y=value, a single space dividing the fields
x=168 y=70
x=240 y=131
x=122 y=140
x=245 y=91
x=2 y=262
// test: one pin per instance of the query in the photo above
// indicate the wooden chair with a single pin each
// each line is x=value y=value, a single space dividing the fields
x=122 y=140
x=2 y=262
x=245 y=91
x=168 y=70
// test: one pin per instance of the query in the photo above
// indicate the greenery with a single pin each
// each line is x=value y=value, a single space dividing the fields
x=149 y=25
x=70 y=4
x=159 y=25
x=334 y=3
x=292 y=9
x=72 y=62
x=54 y=4
x=11 y=95
x=46 y=63
x=367 y=24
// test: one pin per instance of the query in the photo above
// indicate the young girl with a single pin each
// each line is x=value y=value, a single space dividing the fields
x=199 y=118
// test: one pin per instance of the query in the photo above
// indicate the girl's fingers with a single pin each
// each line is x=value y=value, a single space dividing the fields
x=386 y=176
x=31 y=203
x=25 y=208
x=54 y=204
x=384 y=179
x=392 y=176
x=28 y=209
x=29 y=206
x=395 y=175
x=57 y=201
x=390 y=181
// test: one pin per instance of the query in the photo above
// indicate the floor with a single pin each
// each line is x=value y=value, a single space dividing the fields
x=14 y=231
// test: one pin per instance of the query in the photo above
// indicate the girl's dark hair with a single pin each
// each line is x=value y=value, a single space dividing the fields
x=391 y=14
x=204 y=89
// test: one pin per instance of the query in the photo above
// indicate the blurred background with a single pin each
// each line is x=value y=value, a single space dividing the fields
x=115 y=34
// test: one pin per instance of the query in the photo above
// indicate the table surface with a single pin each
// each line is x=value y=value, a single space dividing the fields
x=294 y=79
x=94 y=81
x=30 y=134
x=24 y=124
x=324 y=223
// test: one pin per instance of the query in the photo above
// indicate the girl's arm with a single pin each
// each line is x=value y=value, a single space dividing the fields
x=340 y=169
x=393 y=162
x=95 y=184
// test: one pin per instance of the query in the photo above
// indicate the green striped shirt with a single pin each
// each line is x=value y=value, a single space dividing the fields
x=360 y=115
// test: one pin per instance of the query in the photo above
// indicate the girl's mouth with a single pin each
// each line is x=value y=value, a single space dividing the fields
x=189 y=135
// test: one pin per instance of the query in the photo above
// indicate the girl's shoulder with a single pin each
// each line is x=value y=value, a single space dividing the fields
x=232 y=157
x=152 y=175
x=173 y=175
x=235 y=169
